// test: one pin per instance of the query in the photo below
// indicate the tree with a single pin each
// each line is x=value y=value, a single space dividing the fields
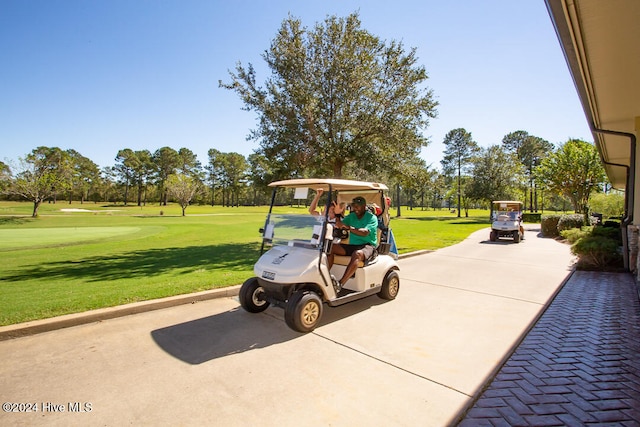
x=424 y=179
x=609 y=205
x=5 y=176
x=108 y=179
x=167 y=161
x=438 y=189
x=182 y=188
x=143 y=168
x=125 y=169
x=337 y=96
x=495 y=174
x=41 y=176
x=259 y=175
x=59 y=161
x=189 y=164
x=530 y=150
x=460 y=149
x=573 y=170
x=233 y=174
x=414 y=179
x=83 y=175
x=214 y=169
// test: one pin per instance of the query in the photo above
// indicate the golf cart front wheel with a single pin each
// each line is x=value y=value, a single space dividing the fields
x=390 y=286
x=303 y=311
x=250 y=296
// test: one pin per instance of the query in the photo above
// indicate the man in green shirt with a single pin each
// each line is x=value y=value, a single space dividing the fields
x=363 y=239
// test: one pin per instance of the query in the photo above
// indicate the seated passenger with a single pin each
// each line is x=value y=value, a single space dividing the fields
x=362 y=226
x=335 y=209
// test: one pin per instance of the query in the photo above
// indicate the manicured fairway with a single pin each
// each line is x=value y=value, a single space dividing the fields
x=69 y=261
x=41 y=237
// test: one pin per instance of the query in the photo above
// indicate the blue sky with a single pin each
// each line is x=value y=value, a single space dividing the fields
x=98 y=76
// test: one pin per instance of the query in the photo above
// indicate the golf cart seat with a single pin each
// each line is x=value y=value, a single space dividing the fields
x=344 y=259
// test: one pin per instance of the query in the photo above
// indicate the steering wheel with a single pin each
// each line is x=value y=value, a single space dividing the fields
x=340 y=233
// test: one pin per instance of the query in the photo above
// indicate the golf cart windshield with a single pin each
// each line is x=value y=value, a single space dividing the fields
x=294 y=230
x=507 y=210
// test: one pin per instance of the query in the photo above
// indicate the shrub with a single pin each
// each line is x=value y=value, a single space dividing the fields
x=570 y=221
x=549 y=225
x=608 y=232
x=574 y=234
x=531 y=217
x=611 y=223
x=596 y=252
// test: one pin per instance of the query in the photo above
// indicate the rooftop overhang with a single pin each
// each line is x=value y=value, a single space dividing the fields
x=601 y=44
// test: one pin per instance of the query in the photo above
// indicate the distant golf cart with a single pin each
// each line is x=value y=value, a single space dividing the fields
x=293 y=273
x=506 y=220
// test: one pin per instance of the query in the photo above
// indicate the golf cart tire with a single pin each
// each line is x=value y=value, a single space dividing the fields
x=249 y=296
x=516 y=236
x=390 y=286
x=493 y=236
x=303 y=311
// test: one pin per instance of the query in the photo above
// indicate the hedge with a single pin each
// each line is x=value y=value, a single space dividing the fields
x=567 y=222
x=531 y=217
x=549 y=225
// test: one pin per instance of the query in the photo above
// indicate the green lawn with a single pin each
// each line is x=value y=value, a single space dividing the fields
x=66 y=262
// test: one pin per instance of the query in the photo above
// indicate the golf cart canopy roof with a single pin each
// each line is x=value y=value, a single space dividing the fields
x=508 y=204
x=336 y=184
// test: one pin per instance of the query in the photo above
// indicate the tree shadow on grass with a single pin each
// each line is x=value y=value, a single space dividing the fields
x=452 y=220
x=423 y=218
x=145 y=263
x=471 y=221
x=15 y=220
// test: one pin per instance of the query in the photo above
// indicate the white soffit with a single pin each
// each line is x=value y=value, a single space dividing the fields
x=601 y=42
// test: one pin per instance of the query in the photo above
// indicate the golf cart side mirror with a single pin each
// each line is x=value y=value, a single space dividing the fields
x=267 y=232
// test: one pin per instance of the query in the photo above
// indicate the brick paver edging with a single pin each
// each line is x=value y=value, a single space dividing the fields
x=578 y=365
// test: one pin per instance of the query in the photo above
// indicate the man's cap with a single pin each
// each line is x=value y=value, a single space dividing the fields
x=359 y=201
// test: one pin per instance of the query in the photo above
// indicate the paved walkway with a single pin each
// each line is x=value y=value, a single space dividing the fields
x=579 y=365
x=421 y=360
x=416 y=361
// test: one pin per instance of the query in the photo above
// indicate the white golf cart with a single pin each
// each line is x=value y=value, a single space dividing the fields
x=293 y=274
x=506 y=220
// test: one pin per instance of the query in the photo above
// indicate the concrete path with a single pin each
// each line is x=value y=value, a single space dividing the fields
x=415 y=361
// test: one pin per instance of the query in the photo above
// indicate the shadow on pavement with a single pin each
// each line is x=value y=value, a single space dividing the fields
x=224 y=334
x=510 y=241
x=236 y=331
x=504 y=241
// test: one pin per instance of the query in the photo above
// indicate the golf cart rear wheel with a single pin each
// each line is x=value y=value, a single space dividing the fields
x=390 y=286
x=250 y=296
x=303 y=311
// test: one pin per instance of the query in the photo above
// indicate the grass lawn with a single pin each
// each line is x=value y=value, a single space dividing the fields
x=77 y=257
